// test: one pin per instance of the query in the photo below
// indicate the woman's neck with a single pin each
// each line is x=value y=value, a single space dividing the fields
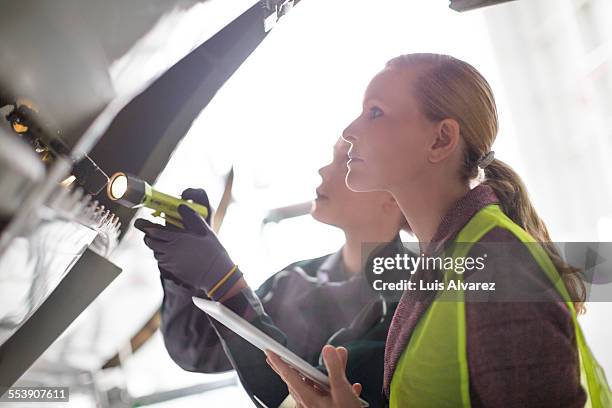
x=352 y=250
x=424 y=208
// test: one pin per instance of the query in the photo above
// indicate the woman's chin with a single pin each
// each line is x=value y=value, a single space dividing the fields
x=319 y=209
x=359 y=182
x=321 y=215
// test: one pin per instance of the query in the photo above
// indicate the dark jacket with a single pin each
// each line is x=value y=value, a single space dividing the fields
x=304 y=306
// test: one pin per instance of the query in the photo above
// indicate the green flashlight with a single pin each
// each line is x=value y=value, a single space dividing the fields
x=132 y=192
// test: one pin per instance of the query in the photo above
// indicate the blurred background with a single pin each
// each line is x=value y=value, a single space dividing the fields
x=273 y=124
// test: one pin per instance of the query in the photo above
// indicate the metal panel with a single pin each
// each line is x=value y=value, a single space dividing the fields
x=72 y=58
x=466 y=5
x=83 y=283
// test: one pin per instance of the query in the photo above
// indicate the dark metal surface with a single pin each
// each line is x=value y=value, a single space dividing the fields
x=34 y=263
x=466 y=5
x=89 y=276
x=71 y=58
x=145 y=133
x=147 y=67
x=20 y=170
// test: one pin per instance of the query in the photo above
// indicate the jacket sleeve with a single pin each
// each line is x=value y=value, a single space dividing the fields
x=521 y=344
x=188 y=335
x=258 y=379
x=198 y=343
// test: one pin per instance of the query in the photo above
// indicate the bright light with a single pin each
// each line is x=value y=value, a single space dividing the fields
x=68 y=181
x=117 y=186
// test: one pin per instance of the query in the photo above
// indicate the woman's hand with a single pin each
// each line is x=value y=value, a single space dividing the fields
x=194 y=254
x=342 y=393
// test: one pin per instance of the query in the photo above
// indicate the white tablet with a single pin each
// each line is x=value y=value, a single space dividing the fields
x=262 y=341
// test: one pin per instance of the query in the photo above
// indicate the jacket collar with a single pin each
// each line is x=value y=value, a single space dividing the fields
x=459 y=215
x=333 y=269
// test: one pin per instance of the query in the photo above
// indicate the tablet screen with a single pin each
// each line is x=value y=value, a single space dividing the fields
x=262 y=341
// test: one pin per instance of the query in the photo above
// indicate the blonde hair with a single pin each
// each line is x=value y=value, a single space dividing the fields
x=450 y=88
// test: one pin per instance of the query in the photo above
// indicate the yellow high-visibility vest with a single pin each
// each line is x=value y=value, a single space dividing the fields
x=433 y=369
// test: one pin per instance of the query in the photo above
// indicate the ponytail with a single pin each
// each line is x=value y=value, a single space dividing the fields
x=515 y=203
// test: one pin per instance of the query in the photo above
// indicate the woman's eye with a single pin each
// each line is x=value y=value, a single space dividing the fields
x=374 y=112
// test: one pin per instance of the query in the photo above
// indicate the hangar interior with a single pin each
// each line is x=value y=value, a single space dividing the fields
x=245 y=99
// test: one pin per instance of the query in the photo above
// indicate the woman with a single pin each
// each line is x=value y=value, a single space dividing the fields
x=425 y=135
x=305 y=304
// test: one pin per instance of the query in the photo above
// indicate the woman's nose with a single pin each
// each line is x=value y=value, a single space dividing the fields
x=322 y=171
x=348 y=134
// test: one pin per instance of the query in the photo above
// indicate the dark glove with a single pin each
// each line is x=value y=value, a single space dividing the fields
x=193 y=255
x=199 y=196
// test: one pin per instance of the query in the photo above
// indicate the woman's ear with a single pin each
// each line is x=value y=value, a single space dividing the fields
x=446 y=140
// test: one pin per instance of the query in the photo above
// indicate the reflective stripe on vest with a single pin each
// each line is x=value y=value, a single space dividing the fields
x=433 y=369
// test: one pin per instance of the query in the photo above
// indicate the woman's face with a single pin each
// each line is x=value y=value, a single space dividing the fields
x=390 y=139
x=336 y=205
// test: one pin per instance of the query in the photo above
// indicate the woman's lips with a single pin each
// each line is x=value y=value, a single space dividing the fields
x=353 y=158
x=352 y=155
x=321 y=196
